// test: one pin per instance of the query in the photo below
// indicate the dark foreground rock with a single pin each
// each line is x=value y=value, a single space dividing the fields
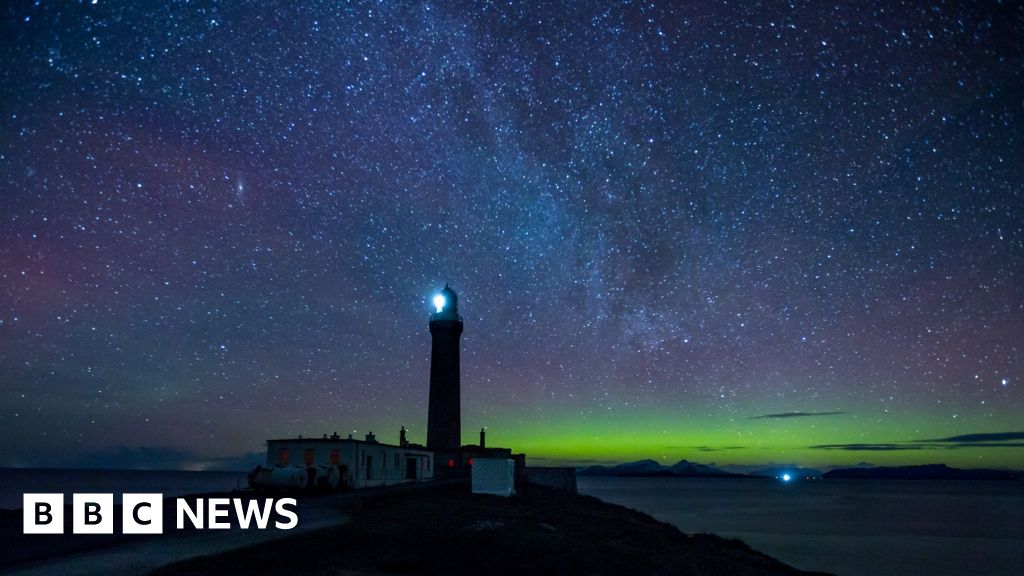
x=449 y=531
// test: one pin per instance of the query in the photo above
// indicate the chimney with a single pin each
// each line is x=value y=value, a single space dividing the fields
x=401 y=437
x=370 y=437
x=483 y=443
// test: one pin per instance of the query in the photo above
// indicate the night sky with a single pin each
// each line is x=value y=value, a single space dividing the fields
x=737 y=234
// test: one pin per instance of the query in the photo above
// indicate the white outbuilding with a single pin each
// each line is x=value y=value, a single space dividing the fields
x=495 y=476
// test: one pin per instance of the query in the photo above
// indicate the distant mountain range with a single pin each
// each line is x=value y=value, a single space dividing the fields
x=794 y=472
x=652 y=469
x=924 y=472
x=687 y=469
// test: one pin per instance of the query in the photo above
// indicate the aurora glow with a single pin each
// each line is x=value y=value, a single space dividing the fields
x=723 y=233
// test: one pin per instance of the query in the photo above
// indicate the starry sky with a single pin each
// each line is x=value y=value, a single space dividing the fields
x=737 y=233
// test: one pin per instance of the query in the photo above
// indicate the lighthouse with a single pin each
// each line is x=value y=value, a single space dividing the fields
x=444 y=417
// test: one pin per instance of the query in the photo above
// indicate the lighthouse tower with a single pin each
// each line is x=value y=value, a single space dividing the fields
x=444 y=419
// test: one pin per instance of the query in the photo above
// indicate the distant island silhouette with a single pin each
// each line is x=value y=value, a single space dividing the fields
x=686 y=469
x=652 y=469
x=922 y=472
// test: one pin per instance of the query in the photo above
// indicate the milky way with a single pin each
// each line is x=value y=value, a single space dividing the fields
x=737 y=233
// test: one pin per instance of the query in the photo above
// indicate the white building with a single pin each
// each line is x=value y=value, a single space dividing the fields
x=362 y=463
x=496 y=476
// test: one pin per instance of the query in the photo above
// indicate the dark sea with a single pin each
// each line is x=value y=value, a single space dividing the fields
x=846 y=527
x=16 y=481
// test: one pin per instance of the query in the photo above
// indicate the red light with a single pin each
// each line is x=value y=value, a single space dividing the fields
x=451 y=463
x=470 y=461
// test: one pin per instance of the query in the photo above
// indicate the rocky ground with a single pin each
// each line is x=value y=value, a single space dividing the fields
x=450 y=531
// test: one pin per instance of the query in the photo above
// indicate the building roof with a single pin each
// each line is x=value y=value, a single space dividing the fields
x=339 y=440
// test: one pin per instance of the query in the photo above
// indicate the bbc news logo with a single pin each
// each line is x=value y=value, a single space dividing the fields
x=144 y=513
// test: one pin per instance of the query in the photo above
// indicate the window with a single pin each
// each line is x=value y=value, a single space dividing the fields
x=282 y=457
x=335 y=456
x=310 y=456
x=397 y=457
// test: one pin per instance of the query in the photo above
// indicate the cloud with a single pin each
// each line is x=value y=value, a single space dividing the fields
x=986 y=445
x=970 y=438
x=986 y=440
x=797 y=414
x=868 y=447
x=705 y=448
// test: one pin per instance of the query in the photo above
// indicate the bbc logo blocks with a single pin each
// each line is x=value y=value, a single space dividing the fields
x=142 y=514
x=43 y=514
x=92 y=514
